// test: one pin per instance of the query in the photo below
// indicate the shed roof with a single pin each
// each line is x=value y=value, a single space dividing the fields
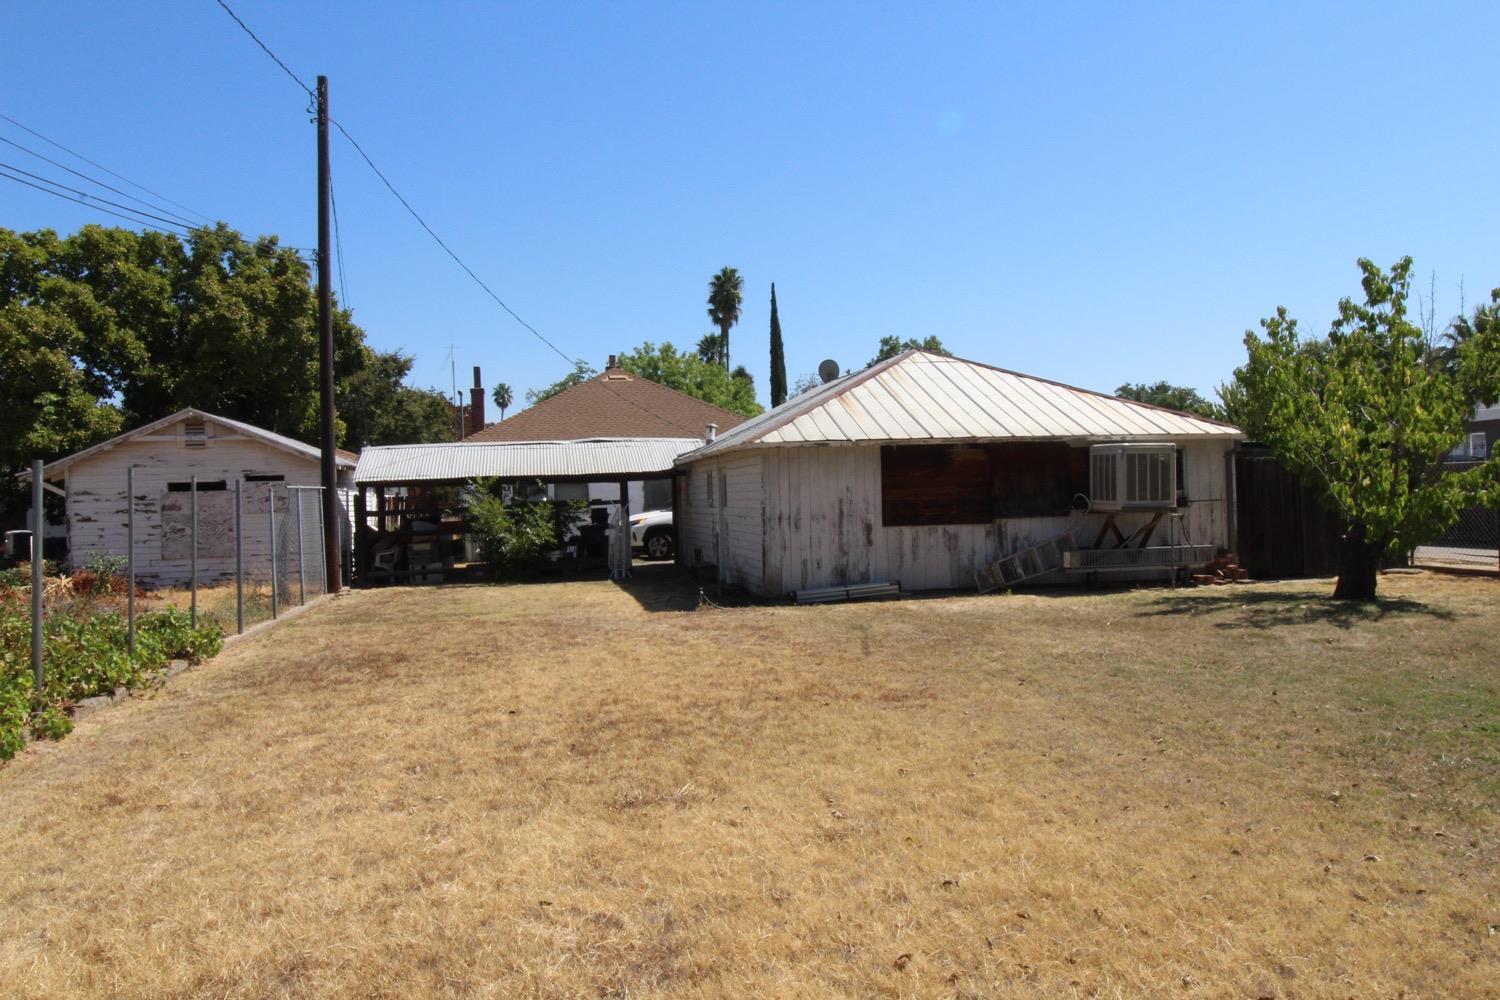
x=344 y=459
x=615 y=404
x=598 y=458
x=922 y=396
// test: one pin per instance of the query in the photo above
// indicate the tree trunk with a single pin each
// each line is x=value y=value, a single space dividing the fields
x=724 y=345
x=1359 y=566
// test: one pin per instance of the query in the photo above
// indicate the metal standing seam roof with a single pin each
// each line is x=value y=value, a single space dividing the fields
x=343 y=459
x=921 y=396
x=605 y=458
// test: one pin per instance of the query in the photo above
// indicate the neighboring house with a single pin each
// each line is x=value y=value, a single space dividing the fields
x=925 y=468
x=614 y=404
x=1481 y=435
x=166 y=454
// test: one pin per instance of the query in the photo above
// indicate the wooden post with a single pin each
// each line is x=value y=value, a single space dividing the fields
x=361 y=534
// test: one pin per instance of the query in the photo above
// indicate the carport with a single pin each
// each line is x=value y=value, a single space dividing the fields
x=408 y=517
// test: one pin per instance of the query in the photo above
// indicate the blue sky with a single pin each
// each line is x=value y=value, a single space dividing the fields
x=1096 y=194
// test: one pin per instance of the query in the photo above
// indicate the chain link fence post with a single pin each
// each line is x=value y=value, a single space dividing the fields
x=193 y=547
x=239 y=559
x=38 y=557
x=271 y=544
x=301 y=562
x=130 y=559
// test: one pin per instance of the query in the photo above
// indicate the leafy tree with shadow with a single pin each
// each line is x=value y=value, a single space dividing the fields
x=1366 y=417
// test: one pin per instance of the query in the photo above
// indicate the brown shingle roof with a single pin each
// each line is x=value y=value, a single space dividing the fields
x=615 y=404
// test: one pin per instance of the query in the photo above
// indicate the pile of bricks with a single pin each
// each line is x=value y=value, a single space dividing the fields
x=1225 y=569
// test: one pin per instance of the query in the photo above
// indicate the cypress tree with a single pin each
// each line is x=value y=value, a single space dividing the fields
x=778 y=356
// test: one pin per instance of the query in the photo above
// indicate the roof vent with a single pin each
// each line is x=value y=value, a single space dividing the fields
x=710 y=431
x=828 y=371
x=194 y=434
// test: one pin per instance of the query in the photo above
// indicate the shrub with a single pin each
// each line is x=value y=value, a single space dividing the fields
x=84 y=654
x=515 y=537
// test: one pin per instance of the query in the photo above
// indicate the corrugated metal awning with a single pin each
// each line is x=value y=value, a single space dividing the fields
x=918 y=396
x=602 y=458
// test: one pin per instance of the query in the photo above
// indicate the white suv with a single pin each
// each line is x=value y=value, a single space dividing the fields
x=651 y=534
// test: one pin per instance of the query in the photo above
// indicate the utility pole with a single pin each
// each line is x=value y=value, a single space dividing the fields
x=331 y=519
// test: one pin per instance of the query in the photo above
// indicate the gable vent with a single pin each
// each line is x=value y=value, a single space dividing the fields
x=194 y=434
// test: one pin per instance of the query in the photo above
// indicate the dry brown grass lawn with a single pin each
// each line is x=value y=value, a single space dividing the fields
x=553 y=791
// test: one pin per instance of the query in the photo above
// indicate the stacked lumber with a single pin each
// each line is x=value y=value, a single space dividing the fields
x=1223 y=570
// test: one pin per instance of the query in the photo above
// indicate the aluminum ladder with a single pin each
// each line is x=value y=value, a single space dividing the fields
x=1025 y=564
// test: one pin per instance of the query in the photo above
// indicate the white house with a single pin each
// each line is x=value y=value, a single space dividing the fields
x=166 y=455
x=926 y=469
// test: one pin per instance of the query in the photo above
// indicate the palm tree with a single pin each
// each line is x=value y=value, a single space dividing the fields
x=725 y=290
x=503 y=398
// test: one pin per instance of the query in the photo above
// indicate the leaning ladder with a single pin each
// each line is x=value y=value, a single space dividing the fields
x=1025 y=564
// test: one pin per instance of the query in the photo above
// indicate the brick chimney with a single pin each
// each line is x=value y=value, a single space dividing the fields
x=476 y=405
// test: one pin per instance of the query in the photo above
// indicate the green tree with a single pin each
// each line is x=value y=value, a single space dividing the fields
x=1174 y=397
x=1480 y=377
x=725 y=293
x=804 y=383
x=582 y=372
x=377 y=407
x=503 y=398
x=891 y=346
x=778 y=355
x=711 y=348
x=692 y=376
x=1366 y=420
x=109 y=328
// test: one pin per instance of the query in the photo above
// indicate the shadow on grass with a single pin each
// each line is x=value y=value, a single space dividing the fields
x=661 y=587
x=1262 y=609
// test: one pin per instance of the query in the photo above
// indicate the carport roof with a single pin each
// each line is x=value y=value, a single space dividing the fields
x=592 y=458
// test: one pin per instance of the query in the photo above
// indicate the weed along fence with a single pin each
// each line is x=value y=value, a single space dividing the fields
x=195 y=561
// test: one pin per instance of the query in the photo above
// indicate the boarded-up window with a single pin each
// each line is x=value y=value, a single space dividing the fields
x=215 y=525
x=1037 y=479
x=934 y=484
x=974 y=484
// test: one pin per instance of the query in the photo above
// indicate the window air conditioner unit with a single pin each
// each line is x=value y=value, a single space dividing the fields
x=1132 y=477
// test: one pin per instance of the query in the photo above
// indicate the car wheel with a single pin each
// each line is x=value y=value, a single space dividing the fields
x=658 y=544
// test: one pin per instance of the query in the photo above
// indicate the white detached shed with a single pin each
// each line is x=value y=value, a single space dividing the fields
x=926 y=469
x=166 y=455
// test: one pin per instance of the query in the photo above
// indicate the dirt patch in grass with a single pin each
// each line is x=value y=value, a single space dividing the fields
x=557 y=790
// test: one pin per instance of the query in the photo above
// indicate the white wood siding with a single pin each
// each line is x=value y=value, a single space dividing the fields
x=97 y=503
x=821 y=522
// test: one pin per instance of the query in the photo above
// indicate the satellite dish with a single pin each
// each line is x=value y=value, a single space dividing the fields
x=828 y=371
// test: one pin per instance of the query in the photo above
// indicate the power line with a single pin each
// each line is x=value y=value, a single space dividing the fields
x=94 y=180
x=94 y=197
x=338 y=242
x=267 y=50
x=415 y=215
x=93 y=201
x=89 y=204
x=100 y=166
x=446 y=249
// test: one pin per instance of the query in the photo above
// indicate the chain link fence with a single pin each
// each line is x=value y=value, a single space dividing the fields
x=1472 y=541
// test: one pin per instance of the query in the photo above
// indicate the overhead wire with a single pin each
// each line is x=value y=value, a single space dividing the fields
x=100 y=166
x=94 y=197
x=184 y=220
x=338 y=242
x=423 y=222
x=90 y=204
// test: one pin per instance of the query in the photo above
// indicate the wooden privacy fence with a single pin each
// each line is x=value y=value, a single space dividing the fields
x=1283 y=530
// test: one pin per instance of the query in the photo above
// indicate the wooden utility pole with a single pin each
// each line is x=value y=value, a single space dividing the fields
x=331 y=520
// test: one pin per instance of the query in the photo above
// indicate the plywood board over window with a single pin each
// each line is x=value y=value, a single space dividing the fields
x=215 y=525
x=1037 y=478
x=934 y=484
x=975 y=484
